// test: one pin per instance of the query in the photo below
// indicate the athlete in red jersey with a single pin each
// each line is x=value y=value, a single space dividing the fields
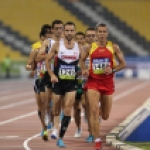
x=100 y=84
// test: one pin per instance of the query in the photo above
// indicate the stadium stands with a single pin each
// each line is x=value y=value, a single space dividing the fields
x=21 y=23
x=134 y=12
x=28 y=16
x=82 y=16
x=132 y=35
x=14 y=55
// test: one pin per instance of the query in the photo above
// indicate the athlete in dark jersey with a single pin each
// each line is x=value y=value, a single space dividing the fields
x=64 y=75
x=45 y=82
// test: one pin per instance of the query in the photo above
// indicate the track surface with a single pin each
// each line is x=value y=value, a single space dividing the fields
x=20 y=126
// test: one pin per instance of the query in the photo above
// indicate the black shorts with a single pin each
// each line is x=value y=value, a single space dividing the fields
x=79 y=93
x=64 y=86
x=78 y=96
x=47 y=81
x=36 y=86
x=41 y=85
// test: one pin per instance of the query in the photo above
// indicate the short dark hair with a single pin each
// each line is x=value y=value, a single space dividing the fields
x=56 y=22
x=42 y=33
x=100 y=25
x=80 y=33
x=46 y=27
x=70 y=23
x=89 y=29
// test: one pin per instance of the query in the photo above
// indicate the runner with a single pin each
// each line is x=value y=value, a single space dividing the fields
x=90 y=36
x=37 y=45
x=79 y=37
x=100 y=84
x=64 y=76
x=31 y=65
x=57 y=28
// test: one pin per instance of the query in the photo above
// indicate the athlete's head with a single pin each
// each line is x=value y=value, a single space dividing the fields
x=90 y=35
x=47 y=28
x=57 y=28
x=79 y=37
x=42 y=35
x=69 y=30
x=101 y=31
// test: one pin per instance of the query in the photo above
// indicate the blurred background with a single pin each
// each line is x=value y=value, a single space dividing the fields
x=128 y=22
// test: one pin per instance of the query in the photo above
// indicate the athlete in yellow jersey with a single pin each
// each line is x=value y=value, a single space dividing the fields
x=100 y=84
x=32 y=65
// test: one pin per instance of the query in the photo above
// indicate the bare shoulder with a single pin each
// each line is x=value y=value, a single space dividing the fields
x=55 y=47
x=87 y=47
x=116 y=48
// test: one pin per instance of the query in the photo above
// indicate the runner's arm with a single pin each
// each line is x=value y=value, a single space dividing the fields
x=30 y=62
x=120 y=58
x=83 y=57
x=49 y=57
x=41 y=53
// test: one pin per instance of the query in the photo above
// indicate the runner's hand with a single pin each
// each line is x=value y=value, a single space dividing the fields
x=107 y=70
x=31 y=75
x=85 y=73
x=54 y=79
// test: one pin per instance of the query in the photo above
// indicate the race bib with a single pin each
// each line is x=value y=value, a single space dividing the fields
x=99 y=64
x=38 y=69
x=43 y=67
x=52 y=64
x=67 y=72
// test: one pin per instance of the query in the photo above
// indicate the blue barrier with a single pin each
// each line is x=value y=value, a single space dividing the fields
x=137 y=130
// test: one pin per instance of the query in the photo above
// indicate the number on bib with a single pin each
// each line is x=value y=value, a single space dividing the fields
x=67 y=72
x=99 y=64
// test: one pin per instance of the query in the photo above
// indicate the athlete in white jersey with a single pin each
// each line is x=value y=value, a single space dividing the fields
x=64 y=75
x=57 y=27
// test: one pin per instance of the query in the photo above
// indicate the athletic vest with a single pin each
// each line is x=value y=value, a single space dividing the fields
x=43 y=67
x=99 y=58
x=67 y=62
x=36 y=46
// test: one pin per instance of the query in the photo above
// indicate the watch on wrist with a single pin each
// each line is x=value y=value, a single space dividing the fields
x=113 y=70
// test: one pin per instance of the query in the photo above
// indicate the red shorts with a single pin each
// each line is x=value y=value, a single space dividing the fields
x=105 y=87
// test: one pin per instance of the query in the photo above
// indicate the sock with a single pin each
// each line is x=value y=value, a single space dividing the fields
x=39 y=114
x=64 y=125
x=97 y=140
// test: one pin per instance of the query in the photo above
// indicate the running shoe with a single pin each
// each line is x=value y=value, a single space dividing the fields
x=60 y=143
x=98 y=145
x=45 y=136
x=78 y=133
x=54 y=134
x=90 y=139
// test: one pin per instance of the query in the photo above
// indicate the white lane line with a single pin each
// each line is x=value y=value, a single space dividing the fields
x=17 y=118
x=17 y=95
x=131 y=90
x=123 y=83
x=32 y=100
x=8 y=137
x=25 y=144
x=117 y=97
x=14 y=91
x=17 y=104
x=5 y=87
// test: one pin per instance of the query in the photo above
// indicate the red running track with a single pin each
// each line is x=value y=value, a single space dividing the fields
x=20 y=126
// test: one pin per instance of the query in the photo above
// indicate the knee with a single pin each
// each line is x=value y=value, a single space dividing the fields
x=55 y=112
x=95 y=111
x=67 y=111
x=105 y=116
